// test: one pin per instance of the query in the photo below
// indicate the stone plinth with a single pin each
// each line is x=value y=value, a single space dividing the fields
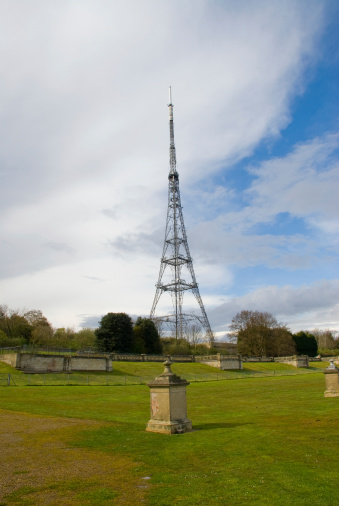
x=168 y=404
x=332 y=380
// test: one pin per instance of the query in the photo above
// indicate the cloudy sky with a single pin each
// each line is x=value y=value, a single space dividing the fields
x=84 y=155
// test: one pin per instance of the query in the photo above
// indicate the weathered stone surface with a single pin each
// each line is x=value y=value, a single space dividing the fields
x=168 y=403
x=39 y=363
x=332 y=380
x=296 y=360
x=223 y=362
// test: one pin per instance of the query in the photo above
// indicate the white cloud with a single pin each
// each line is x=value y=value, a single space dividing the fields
x=303 y=183
x=309 y=305
x=84 y=143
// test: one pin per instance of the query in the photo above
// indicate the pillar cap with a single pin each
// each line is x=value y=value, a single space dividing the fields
x=167 y=378
x=331 y=369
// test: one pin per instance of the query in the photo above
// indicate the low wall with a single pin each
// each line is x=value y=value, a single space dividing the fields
x=128 y=357
x=296 y=361
x=258 y=359
x=9 y=359
x=28 y=362
x=91 y=364
x=38 y=363
x=223 y=362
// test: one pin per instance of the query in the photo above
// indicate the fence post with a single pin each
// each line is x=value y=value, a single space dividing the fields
x=87 y=380
x=8 y=380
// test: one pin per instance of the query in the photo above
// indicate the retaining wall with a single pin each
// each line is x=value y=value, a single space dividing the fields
x=297 y=361
x=9 y=358
x=36 y=363
x=222 y=362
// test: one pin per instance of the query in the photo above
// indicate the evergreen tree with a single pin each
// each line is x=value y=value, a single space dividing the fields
x=306 y=343
x=115 y=333
x=146 y=332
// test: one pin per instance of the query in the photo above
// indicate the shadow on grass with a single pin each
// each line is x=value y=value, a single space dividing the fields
x=213 y=426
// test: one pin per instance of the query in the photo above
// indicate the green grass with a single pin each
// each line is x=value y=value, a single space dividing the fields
x=131 y=373
x=261 y=441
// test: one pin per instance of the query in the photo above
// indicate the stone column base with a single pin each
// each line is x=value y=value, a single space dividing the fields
x=173 y=427
x=331 y=393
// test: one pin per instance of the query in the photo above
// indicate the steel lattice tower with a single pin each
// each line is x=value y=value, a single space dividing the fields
x=176 y=256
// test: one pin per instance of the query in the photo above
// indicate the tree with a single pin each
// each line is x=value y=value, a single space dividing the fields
x=192 y=333
x=5 y=340
x=15 y=326
x=24 y=326
x=63 y=338
x=325 y=338
x=42 y=335
x=42 y=331
x=283 y=343
x=85 y=338
x=146 y=334
x=174 y=346
x=115 y=333
x=259 y=334
x=306 y=343
x=36 y=319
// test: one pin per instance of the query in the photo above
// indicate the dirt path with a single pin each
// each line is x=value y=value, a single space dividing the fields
x=39 y=466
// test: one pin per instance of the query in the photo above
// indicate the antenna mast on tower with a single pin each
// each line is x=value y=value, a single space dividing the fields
x=176 y=256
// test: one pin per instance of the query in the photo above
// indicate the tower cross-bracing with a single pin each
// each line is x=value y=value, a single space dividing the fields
x=176 y=258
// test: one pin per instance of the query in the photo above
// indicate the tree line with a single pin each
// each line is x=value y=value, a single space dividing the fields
x=260 y=334
x=117 y=332
x=256 y=334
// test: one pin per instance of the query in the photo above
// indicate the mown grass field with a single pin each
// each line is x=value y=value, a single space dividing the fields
x=132 y=373
x=262 y=441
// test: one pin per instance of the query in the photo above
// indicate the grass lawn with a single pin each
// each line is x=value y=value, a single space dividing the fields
x=260 y=441
x=131 y=373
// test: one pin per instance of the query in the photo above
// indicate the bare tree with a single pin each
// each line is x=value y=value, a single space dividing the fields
x=325 y=338
x=192 y=333
x=258 y=334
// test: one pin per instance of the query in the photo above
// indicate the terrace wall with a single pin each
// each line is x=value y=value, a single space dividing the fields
x=9 y=359
x=223 y=362
x=38 y=363
x=297 y=361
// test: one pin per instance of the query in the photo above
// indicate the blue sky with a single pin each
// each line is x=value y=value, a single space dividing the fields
x=84 y=155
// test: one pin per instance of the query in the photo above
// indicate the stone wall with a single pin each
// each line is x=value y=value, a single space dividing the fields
x=91 y=364
x=32 y=362
x=29 y=362
x=258 y=359
x=223 y=362
x=128 y=357
x=38 y=363
x=9 y=359
x=296 y=361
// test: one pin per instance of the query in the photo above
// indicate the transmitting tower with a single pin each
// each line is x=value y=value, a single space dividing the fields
x=176 y=256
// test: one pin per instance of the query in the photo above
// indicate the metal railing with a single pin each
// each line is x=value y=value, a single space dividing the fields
x=109 y=379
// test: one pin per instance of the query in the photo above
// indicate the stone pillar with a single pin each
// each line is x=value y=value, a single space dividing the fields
x=67 y=364
x=332 y=380
x=168 y=403
x=109 y=364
